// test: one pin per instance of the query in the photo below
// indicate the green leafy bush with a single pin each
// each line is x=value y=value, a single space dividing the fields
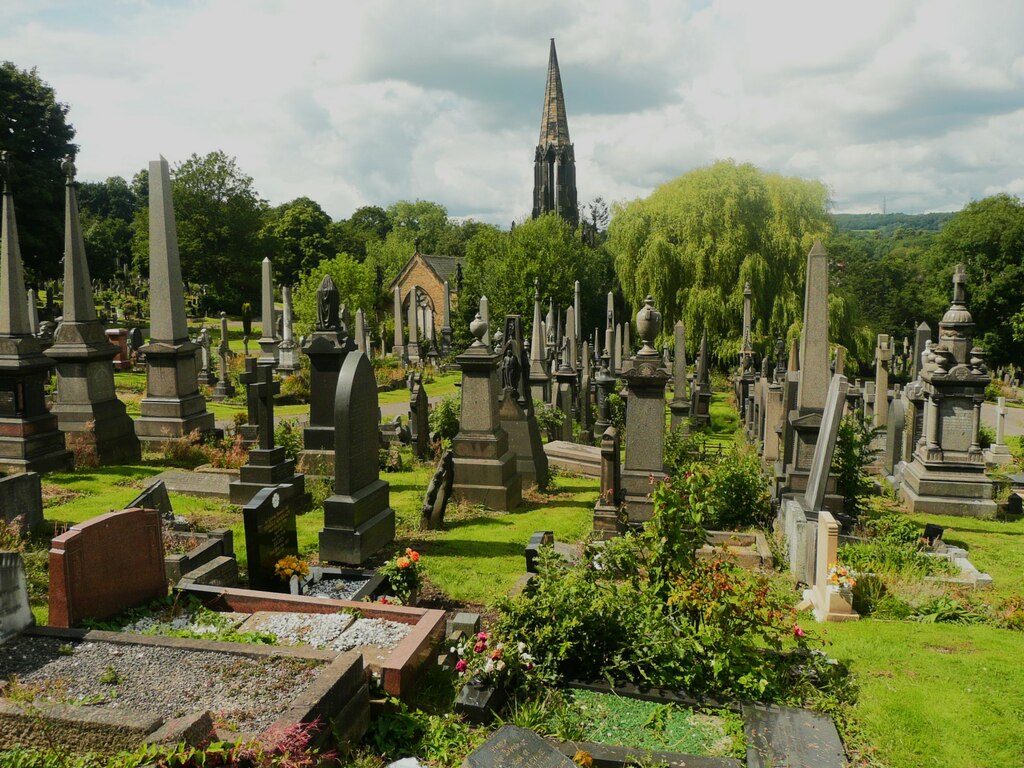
x=288 y=435
x=549 y=418
x=444 y=417
x=855 y=451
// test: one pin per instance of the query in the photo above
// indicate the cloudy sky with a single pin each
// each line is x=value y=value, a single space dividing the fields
x=917 y=103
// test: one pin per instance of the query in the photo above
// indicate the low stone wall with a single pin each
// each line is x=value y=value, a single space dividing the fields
x=216 y=543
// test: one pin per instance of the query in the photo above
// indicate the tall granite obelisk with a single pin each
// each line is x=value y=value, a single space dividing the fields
x=173 y=406
x=86 y=404
x=29 y=438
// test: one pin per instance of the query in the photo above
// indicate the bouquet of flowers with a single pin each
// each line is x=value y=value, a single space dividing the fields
x=841 y=579
x=289 y=566
x=484 y=659
x=403 y=573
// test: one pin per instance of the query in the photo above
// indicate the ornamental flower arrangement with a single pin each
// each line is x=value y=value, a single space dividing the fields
x=841 y=579
x=289 y=566
x=403 y=573
x=485 y=660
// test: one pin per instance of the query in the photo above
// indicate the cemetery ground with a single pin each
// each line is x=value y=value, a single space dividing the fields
x=944 y=691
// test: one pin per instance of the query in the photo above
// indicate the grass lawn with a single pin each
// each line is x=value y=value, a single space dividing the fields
x=476 y=559
x=936 y=694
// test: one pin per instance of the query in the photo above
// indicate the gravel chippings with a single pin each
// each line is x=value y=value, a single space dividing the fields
x=379 y=632
x=316 y=629
x=338 y=589
x=169 y=682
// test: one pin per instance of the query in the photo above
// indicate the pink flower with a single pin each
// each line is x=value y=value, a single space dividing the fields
x=460 y=665
x=798 y=631
x=482 y=636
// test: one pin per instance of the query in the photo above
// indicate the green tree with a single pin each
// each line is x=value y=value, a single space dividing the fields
x=107 y=210
x=35 y=131
x=504 y=265
x=695 y=240
x=426 y=220
x=300 y=233
x=367 y=224
x=355 y=282
x=220 y=229
x=987 y=236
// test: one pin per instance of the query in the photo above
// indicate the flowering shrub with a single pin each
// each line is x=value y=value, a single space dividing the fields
x=483 y=658
x=289 y=566
x=644 y=608
x=403 y=573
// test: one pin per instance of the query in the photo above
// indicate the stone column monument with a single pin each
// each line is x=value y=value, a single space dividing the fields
x=883 y=357
x=398 y=347
x=29 y=438
x=288 y=351
x=268 y=340
x=485 y=466
x=173 y=406
x=86 y=404
x=700 y=392
x=516 y=411
x=224 y=388
x=645 y=419
x=540 y=380
x=680 y=405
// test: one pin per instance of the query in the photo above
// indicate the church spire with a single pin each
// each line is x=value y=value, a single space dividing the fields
x=554 y=164
x=554 y=125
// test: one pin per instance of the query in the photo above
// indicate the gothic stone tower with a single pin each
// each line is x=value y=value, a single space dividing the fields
x=554 y=165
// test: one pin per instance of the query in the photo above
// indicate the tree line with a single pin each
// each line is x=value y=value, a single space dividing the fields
x=692 y=244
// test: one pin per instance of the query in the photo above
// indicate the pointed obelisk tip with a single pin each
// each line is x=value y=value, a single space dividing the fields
x=817 y=249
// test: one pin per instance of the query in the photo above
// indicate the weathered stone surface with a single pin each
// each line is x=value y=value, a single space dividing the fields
x=821 y=463
x=814 y=363
x=154 y=497
x=15 y=613
x=21 y=498
x=798 y=738
x=88 y=581
x=358 y=518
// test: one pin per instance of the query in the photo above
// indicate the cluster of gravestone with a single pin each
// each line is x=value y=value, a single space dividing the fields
x=929 y=426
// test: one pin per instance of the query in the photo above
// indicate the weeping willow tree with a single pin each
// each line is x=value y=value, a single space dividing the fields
x=695 y=241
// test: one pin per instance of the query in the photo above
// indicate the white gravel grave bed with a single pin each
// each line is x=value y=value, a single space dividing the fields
x=250 y=693
x=336 y=589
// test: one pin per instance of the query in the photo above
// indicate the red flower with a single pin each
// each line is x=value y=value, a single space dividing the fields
x=798 y=631
x=413 y=555
x=403 y=563
x=460 y=665
x=480 y=646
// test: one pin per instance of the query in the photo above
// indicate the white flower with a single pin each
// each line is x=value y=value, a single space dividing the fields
x=500 y=665
x=489 y=666
x=521 y=647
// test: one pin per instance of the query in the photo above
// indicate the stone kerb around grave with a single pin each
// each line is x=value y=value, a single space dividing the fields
x=106 y=565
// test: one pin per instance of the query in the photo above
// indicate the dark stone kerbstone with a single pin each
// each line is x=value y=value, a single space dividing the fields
x=514 y=747
x=793 y=737
x=270 y=534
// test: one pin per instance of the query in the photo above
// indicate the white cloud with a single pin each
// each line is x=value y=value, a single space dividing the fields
x=353 y=104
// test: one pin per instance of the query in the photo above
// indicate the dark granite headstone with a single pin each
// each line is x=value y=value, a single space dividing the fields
x=154 y=497
x=514 y=747
x=15 y=614
x=537 y=540
x=21 y=497
x=270 y=534
x=358 y=518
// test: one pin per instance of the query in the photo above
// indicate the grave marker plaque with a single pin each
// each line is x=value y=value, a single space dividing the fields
x=514 y=747
x=270 y=534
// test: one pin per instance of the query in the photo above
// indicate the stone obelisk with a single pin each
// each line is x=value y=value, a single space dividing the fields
x=29 y=438
x=173 y=406
x=86 y=404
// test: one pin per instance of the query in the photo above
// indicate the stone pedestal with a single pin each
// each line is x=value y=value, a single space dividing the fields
x=485 y=466
x=828 y=603
x=358 y=518
x=173 y=406
x=645 y=436
x=606 y=512
x=266 y=468
x=326 y=351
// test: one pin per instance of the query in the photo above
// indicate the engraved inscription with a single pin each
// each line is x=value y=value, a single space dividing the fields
x=956 y=424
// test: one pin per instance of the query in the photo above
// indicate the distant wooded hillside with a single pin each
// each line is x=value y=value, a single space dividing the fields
x=888 y=222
